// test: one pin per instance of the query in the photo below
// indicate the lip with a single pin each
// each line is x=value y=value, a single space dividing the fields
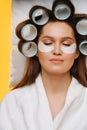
x=57 y=61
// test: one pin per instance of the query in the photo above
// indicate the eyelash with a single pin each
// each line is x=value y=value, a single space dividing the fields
x=48 y=43
x=65 y=44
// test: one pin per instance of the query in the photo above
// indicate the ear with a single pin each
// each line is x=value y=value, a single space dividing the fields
x=77 y=54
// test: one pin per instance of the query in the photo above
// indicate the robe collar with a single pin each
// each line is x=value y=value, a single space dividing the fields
x=44 y=113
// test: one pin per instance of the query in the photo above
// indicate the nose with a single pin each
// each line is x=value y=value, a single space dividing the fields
x=57 y=49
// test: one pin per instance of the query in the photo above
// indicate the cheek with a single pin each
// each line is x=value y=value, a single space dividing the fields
x=44 y=59
x=69 y=60
x=42 y=56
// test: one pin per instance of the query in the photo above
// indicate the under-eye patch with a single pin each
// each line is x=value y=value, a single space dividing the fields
x=50 y=47
x=69 y=49
x=45 y=48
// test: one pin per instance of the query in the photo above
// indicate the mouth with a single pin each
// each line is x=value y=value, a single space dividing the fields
x=57 y=61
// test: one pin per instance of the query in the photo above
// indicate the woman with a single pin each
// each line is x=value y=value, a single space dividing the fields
x=53 y=94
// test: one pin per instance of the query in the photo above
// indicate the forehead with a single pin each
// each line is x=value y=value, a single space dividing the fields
x=57 y=29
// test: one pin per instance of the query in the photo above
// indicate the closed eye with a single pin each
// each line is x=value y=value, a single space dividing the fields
x=66 y=44
x=48 y=43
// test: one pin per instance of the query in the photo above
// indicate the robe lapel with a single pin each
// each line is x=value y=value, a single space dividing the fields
x=45 y=121
x=73 y=95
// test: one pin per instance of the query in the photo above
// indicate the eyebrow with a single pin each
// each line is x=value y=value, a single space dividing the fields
x=64 y=38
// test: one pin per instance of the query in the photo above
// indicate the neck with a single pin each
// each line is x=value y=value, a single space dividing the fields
x=56 y=83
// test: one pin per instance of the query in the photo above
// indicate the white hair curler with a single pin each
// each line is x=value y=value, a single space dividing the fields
x=48 y=48
x=62 y=12
x=62 y=9
x=39 y=15
x=83 y=47
x=29 y=32
x=29 y=49
x=45 y=48
x=81 y=26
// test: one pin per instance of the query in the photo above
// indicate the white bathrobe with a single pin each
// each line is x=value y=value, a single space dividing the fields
x=27 y=108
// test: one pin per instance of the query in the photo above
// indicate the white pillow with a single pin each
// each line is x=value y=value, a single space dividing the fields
x=17 y=66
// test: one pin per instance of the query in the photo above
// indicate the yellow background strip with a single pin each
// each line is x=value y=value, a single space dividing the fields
x=5 y=46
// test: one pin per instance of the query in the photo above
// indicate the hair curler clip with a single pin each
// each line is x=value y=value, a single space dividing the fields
x=28 y=49
x=39 y=15
x=62 y=9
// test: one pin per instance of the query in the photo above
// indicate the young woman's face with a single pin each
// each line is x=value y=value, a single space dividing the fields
x=57 y=48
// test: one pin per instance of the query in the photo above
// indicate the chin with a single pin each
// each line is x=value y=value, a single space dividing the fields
x=55 y=72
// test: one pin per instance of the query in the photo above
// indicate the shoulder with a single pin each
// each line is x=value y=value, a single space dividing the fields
x=21 y=96
x=18 y=96
x=77 y=83
x=82 y=88
x=16 y=103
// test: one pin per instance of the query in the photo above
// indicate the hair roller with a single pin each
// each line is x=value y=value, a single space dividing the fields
x=80 y=22
x=63 y=9
x=39 y=15
x=83 y=46
x=26 y=31
x=28 y=49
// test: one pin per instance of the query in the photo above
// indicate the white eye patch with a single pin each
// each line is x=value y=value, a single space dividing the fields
x=48 y=48
x=69 y=49
x=45 y=48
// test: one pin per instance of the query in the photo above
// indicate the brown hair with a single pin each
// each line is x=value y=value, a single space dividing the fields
x=33 y=68
x=78 y=70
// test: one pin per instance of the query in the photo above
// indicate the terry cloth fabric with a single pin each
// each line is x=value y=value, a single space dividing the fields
x=27 y=108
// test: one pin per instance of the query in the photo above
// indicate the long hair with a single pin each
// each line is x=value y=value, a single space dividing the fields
x=78 y=70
